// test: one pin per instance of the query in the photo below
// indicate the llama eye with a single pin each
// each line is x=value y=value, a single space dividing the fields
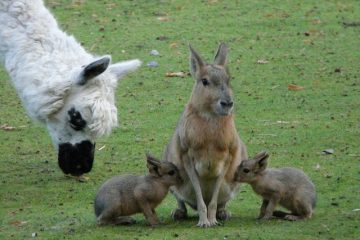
x=246 y=170
x=76 y=121
x=172 y=172
x=205 y=82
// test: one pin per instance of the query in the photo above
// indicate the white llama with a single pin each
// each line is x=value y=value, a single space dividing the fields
x=59 y=83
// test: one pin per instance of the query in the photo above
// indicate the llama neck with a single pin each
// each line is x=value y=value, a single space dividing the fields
x=38 y=56
x=29 y=33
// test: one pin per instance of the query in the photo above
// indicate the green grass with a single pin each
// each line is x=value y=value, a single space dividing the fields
x=304 y=43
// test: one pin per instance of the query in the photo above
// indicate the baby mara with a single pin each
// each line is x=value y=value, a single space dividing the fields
x=289 y=187
x=122 y=196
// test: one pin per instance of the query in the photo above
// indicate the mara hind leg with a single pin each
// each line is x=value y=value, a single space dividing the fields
x=180 y=212
x=125 y=221
x=280 y=214
x=111 y=217
x=300 y=212
x=221 y=213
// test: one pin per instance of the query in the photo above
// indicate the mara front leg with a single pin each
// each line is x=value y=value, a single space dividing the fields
x=270 y=207
x=264 y=205
x=212 y=208
x=201 y=206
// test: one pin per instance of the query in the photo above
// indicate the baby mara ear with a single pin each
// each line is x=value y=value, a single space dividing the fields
x=261 y=161
x=154 y=165
x=221 y=55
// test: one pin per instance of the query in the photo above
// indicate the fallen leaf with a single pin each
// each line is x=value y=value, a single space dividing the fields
x=177 y=74
x=308 y=42
x=163 y=18
x=110 y=6
x=77 y=2
x=351 y=24
x=83 y=178
x=262 y=61
x=316 y=21
x=294 y=87
x=7 y=127
x=282 y=122
x=162 y=38
x=18 y=223
x=268 y=15
x=328 y=151
x=173 y=45
x=317 y=167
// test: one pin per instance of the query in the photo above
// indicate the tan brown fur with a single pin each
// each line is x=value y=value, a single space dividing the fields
x=288 y=187
x=122 y=196
x=205 y=146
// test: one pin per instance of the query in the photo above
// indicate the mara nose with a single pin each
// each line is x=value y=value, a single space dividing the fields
x=228 y=104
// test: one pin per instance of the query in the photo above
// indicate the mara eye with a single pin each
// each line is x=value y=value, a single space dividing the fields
x=205 y=82
x=246 y=170
x=171 y=173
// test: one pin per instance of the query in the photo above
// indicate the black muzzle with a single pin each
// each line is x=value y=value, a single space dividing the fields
x=76 y=159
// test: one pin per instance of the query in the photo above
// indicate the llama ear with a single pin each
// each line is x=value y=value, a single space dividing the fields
x=120 y=69
x=153 y=165
x=196 y=62
x=94 y=69
x=221 y=55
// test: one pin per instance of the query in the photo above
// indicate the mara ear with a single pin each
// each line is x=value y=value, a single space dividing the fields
x=120 y=69
x=261 y=161
x=221 y=55
x=94 y=69
x=196 y=62
x=153 y=165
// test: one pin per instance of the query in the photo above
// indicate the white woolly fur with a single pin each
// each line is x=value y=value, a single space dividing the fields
x=45 y=65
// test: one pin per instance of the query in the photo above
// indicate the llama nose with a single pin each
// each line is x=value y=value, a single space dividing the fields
x=225 y=104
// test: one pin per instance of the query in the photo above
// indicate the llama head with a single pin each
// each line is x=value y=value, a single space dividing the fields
x=87 y=113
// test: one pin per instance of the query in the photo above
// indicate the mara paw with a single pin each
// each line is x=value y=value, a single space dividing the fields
x=223 y=214
x=204 y=223
x=178 y=214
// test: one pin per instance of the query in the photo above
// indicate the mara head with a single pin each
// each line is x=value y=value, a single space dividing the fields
x=212 y=94
x=163 y=170
x=249 y=170
x=86 y=112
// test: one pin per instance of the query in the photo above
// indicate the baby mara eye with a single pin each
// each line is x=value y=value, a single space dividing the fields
x=205 y=82
x=171 y=173
x=246 y=170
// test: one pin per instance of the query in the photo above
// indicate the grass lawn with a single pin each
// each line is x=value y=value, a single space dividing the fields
x=312 y=44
